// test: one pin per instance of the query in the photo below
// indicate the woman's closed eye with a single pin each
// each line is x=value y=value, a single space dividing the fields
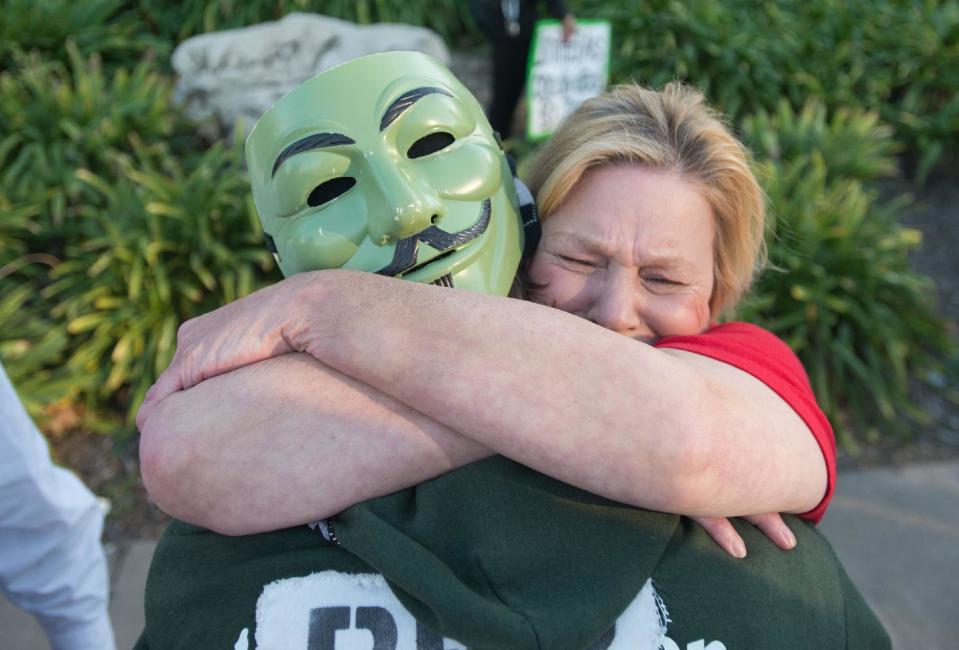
x=663 y=281
x=578 y=261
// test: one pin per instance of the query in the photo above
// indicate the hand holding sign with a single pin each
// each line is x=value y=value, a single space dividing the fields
x=569 y=27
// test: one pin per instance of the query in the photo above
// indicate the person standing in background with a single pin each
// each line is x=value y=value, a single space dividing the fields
x=51 y=560
x=508 y=25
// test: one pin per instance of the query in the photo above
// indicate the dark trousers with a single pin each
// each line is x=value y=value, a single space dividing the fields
x=509 y=58
x=509 y=76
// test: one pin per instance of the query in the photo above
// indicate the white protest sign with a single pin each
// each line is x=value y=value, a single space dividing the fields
x=563 y=75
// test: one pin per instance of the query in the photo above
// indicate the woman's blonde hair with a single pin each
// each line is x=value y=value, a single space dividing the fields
x=671 y=129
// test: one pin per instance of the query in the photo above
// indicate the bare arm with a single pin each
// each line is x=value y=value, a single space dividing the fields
x=663 y=430
x=286 y=441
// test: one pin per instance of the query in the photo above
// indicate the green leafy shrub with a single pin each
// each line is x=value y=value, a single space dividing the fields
x=25 y=327
x=32 y=346
x=918 y=43
x=162 y=242
x=853 y=144
x=17 y=228
x=56 y=118
x=104 y=27
x=449 y=18
x=721 y=48
x=899 y=58
x=841 y=291
x=177 y=21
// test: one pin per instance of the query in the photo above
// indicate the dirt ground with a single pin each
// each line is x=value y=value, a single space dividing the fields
x=112 y=471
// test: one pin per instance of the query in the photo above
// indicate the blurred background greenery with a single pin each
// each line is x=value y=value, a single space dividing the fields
x=118 y=221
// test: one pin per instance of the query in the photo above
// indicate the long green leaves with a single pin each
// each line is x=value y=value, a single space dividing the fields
x=177 y=21
x=897 y=57
x=841 y=290
x=104 y=27
x=161 y=242
x=55 y=118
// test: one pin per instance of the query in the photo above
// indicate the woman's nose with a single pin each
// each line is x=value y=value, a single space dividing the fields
x=407 y=206
x=617 y=307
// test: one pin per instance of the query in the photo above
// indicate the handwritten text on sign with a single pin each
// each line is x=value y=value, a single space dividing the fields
x=563 y=75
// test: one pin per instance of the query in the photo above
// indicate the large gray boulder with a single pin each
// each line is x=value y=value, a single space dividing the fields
x=235 y=75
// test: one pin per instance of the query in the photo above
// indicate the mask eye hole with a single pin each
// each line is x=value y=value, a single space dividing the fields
x=325 y=192
x=430 y=144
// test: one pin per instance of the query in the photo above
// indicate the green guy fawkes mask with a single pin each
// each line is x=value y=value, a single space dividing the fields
x=386 y=164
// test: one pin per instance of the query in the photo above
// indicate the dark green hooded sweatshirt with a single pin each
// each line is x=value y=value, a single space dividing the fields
x=495 y=555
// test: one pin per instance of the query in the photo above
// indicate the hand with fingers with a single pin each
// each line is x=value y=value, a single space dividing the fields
x=724 y=534
x=264 y=324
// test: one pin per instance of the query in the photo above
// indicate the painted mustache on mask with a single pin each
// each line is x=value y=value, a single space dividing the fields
x=404 y=256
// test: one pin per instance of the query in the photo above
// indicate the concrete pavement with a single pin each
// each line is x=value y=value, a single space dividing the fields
x=897 y=533
x=895 y=529
x=128 y=574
